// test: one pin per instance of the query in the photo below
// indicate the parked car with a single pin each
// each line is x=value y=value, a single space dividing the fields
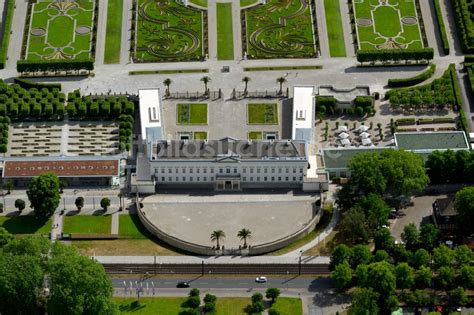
x=182 y=285
x=261 y=279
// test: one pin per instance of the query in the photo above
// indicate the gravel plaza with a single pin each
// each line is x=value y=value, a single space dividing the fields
x=193 y=217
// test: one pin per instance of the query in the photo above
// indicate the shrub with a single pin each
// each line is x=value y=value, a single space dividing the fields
x=395 y=55
x=27 y=84
x=413 y=80
x=7 y=24
x=54 y=65
x=359 y=111
x=364 y=101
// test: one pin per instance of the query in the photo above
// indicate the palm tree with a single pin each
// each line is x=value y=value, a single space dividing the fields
x=167 y=82
x=244 y=234
x=205 y=80
x=8 y=186
x=281 y=80
x=246 y=80
x=216 y=236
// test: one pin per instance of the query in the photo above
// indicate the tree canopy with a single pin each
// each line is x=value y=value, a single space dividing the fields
x=43 y=194
x=464 y=205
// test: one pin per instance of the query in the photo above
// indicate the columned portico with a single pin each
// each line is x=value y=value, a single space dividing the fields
x=229 y=183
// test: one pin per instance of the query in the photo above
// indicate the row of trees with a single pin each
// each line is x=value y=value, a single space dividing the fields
x=192 y=305
x=54 y=65
x=405 y=82
x=257 y=306
x=37 y=276
x=363 y=105
x=464 y=23
x=395 y=55
x=450 y=167
x=218 y=235
x=101 y=107
x=4 y=128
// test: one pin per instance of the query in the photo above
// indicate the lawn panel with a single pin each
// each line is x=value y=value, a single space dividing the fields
x=191 y=114
x=225 y=36
x=113 y=37
x=87 y=224
x=262 y=114
x=150 y=306
x=25 y=225
x=288 y=306
x=337 y=47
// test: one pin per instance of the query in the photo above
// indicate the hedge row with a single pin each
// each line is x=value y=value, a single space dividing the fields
x=125 y=132
x=395 y=55
x=442 y=28
x=462 y=123
x=470 y=74
x=4 y=127
x=394 y=83
x=54 y=65
x=364 y=101
x=27 y=84
x=464 y=24
x=326 y=101
x=100 y=107
x=6 y=33
x=469 y=59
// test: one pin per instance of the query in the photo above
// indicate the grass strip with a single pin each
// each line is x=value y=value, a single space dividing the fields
x=249 y=69
x=6 y=33
x=114 y=31
x=337 y=47
x=225 y=38
x=148 y=72
x=201 y=3
x=87 y=224
x=442 y=28
x=405 y=82
x=25 y=225
x=244 y=3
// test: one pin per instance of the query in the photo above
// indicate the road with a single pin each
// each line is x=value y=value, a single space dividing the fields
x=292 y=282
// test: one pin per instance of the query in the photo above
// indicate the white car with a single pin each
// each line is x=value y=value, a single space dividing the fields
x=261 y=279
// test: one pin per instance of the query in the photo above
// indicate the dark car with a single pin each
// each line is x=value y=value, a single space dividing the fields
x=182 y=285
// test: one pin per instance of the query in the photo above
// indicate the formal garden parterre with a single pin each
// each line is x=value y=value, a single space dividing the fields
x=165 y=30
x=392 y=24
x=262 y=114
x=191 y=114
x=280 y=29
x=60 y=30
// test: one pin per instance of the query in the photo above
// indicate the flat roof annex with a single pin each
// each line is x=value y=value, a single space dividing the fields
x=303 y=110
x=428 y=141
x=150 y=111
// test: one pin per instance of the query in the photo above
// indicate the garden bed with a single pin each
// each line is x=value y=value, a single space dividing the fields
x=262 y=114
x=191 y=114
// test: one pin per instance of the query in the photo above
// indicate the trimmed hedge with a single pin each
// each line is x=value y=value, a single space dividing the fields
x=470 y=74
x=54 y=65
x=394 y=83
x=364 y=101
x=462 y=123
x=4 y=128
x=442 y=28
x=464 y=25
x=395 y=55
x=6 y=33
x=27 y=84
x=469 y=59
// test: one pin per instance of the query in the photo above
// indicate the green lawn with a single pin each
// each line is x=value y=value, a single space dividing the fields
x=200 y=135
x=283 y=68
x=130 y=226
x=389 y=27
x=191 y=114
x=288 y=306
x=87 y=224
x=244 y=3
x=169 y=31
x=113 y=37
x=151 y=306
x=148 y=72
x=225 y=36
x=202 y=3
x=332 y=10
x=60 y=33
x=255 y=135
x=280 y=29
x=232 y=306
x=25 y=225
x=262 y=114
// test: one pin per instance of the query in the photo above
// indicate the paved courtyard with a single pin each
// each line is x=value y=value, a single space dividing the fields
x=194 y=217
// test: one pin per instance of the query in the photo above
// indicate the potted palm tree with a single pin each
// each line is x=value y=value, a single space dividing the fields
x=205 y=80
x=281 y=80
x=244 y=234
x=216 y=236
x=246 y=80
x=167 y=82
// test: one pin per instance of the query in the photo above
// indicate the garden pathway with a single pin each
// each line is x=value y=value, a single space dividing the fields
x=16 y=37
x=322 y=29
x=101 y=32
x=212 y=29
x=450 y=24
x=57 y=227
x=346 y=26
x=126 y=32
x=237 y=30
x=115 y=223
x=432 y=31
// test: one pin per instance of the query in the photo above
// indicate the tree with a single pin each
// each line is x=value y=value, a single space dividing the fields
x=420 y=258
x=246 y=80
x=360 y=255
x=167 y=82
x=273 y=311
x=423 y=277
x=20 y=205
x=257 y=297
x=364 y=302
x=342 y=275
x=445 y=277
x=272 y=293
x=362 y=275
x=466 y=277
x=105 y=203
x=5 y=237
x=353 y=226
x=192 y=302
x=383 y=239
x=8 y=186
x=244 y=234
x=280 y=81
x=79 y=203
x=463 y=255
x=382 y=279
x=194 y=292
x=341 y=253
x=376 y=211
x=43 y=193
x=464 y=205
x=381 y=255
x=216 y=236
x=209 y=298
x=411 y=236
x=205 y=80
x=458 y=296
x=429 y=236
x=405 y=276
x=443 y=256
